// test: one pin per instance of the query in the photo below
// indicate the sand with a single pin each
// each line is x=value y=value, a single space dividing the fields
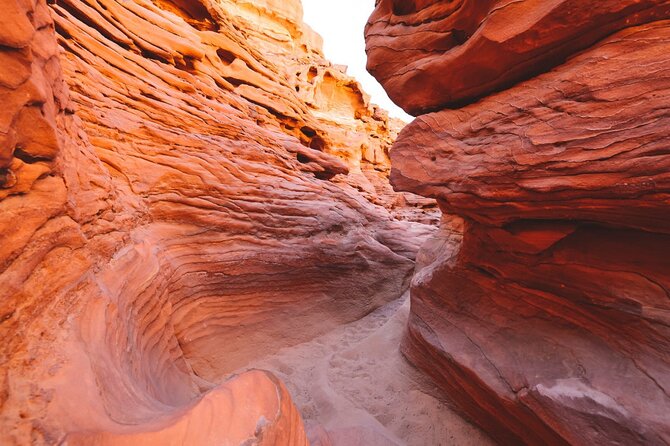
x=354 y=387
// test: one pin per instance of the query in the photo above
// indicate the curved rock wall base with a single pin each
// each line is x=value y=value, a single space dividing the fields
x=547 y=336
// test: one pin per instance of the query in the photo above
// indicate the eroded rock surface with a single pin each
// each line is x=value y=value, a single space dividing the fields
x=542 y=306
x=432 y=54
x=172 y=207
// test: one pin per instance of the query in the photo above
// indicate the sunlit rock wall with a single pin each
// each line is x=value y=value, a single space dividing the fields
x=170 y=208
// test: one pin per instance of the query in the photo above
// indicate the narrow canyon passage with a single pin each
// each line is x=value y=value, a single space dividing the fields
x=198 y=187
x=211 y=235
x=353 y=386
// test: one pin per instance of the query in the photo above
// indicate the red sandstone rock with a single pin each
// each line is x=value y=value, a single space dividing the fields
x=586 y=142
x=170 y=208
x=542 y=306
x=434 y=54
x=254 y=407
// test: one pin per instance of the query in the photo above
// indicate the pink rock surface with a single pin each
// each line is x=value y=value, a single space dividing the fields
x=434 y=54
x=170 y=208
x=541 y=307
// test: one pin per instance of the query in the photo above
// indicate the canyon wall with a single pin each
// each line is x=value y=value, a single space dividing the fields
x=184 y=185
x=542 y=306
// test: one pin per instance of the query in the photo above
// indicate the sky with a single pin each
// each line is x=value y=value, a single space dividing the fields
x=341 y=25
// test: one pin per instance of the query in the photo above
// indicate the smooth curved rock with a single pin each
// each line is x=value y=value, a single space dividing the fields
x=585 y=142
x=251 y=409
x=435 y=54
x=541 y=307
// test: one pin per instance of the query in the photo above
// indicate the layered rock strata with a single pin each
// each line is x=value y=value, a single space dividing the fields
x=542 y=307
x=430 y=54
x=171 y=208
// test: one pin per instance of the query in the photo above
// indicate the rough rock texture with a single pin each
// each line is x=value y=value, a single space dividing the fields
x=430 y=54
x=169 y=209
x=542 y=307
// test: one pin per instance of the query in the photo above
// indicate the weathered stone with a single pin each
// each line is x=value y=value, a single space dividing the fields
x=434 y=54
x=542 y=306
x=170 y=208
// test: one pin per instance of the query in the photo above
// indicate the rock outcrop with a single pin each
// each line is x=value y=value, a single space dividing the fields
x=430 y=54
x=542 y=307
x=184 y=185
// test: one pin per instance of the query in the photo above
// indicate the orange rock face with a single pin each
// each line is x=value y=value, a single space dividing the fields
x=184 y=185
x=542 y=306
x=433 y=54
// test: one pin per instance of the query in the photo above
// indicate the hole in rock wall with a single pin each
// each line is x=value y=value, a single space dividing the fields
x=188 y=64
x=226 y=56
x=459 y=36
x=324 y=176
x=192 y=11
x=153 y=56
x=236 y=82
x=7 y=178
x=308 y=132
x=304 y=159
x=403 y=7
x=317 y=143
x=27 y=157
x=312 y=73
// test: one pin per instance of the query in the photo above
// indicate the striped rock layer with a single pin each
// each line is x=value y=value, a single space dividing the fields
x=542 y=307
x=184 y=185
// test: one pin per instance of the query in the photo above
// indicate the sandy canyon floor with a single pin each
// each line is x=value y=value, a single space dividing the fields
x=355 y=384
